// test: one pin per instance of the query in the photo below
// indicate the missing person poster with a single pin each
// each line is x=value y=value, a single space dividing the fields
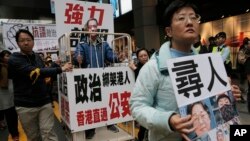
x=202 y=89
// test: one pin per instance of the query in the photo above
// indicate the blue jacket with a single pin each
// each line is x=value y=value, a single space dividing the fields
x=94 y=56
x=153 y=100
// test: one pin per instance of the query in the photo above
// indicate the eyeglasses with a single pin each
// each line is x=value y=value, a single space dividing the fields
x=25 y=40
x=184 y=18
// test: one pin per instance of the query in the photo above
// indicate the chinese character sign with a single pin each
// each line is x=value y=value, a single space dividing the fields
x=72 y=16
x=45 y=36
x=96 y=97
x=202 y=90
x=197 y=77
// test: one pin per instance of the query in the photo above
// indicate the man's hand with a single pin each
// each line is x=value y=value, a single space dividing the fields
x=79 y=59
x=236 y=92
x=67 y=67
x=183 y=125
x=132 y=65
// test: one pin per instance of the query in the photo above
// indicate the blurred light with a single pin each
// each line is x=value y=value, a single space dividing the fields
x=247 y=10
x=222 y=16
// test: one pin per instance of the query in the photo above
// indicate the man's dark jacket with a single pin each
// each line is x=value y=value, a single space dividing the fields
x=28 y=73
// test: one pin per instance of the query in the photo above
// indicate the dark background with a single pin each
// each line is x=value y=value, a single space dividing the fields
x=40 y=9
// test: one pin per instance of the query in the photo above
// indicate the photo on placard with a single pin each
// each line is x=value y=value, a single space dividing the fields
x=225 y=104
x=205 y=120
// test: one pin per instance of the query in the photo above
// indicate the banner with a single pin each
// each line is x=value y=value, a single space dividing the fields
x=203 y=90
x=45 y=37
x=95 y=97
x=73 y=15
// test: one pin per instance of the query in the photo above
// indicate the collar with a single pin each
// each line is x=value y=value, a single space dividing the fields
x=164 y=54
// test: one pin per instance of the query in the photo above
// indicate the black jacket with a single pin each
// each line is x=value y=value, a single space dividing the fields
x=28 y=73
x=137 y=70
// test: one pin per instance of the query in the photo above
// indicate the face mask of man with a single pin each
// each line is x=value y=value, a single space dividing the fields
x=227 y=112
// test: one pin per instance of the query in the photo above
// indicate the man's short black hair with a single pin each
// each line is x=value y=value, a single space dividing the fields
x=211 y=39
x=223 y=96
x=246 y=40
x=221 y=34
x=23 y=31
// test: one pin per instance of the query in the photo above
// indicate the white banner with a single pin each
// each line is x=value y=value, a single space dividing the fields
x=73 y=15
x=45 y=36
x=95 y=97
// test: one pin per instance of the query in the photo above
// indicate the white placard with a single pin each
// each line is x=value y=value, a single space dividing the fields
x=72 y=16
x=202 y=89
x=95 y=97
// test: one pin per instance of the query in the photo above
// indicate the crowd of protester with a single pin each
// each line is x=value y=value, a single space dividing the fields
x=32 y=102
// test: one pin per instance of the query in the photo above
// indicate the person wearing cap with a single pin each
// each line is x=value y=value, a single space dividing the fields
x=224 y=50
x=152 y=102
x=201 y=49
x=212 y=43
x=8 y=112
x=51 y=80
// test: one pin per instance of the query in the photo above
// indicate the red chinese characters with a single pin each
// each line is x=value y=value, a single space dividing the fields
x=39 y=32
x=115 y=102
x=74 y=14
x=89 y=117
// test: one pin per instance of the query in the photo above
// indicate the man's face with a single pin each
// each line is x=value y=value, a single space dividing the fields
x=92 y=27
x=25 y=43
x=220 y=41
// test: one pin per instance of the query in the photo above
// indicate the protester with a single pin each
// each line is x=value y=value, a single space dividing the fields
x=50 y=80
x=243 y=54
x=247 y=71
x=153 y=102
x=7 y=107
x=142 y=55
x=93 y=53
x=212 y=43
x=32 y=101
